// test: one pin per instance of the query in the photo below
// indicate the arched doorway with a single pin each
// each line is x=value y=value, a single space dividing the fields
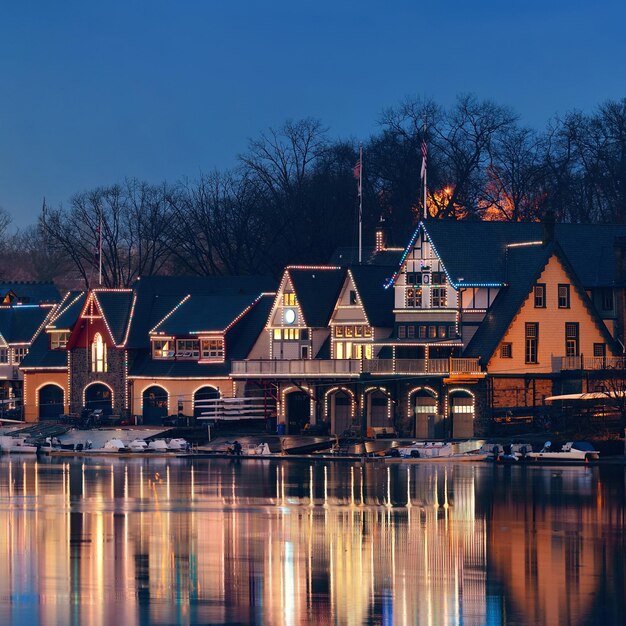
x=462 y=407
x=379 y=409
x=298 y=408
x=99 y=396
x=340 y=411
x=51 y=402
x=428 y=424
x=154 y=401
x=202 y=402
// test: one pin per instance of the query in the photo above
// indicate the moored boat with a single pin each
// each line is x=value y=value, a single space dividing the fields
x=573 y=452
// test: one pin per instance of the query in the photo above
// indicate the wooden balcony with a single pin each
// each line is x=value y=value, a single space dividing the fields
x=593 y=363
x=276 y=368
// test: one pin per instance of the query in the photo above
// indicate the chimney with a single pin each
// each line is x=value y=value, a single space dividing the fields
x=548 y=227
x=382 y=236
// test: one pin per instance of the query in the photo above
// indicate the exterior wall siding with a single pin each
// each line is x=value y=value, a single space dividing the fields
x=33 y=381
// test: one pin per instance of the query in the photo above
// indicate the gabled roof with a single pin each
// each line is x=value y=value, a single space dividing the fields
x=525 y=266
x=377 y=301
x=199 y=314
x=115 y=306
x=67 y=312
x=31 y=292
x=19 y=324
x=40 y=356
x=239 y=340
x=475 y=253
x=159 y=295
x=316 y=289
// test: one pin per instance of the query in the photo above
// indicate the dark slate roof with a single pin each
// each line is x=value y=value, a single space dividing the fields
x=317 y=290
x=204 y=313
x=240 y=339
x=40 y=356
x=18 y=324
x=34 y=292
x=324 y=351
x=477 y=251
x=115 y=306
x=158 y=295
x=68 y=311
x=525 y=266
x=377 y=301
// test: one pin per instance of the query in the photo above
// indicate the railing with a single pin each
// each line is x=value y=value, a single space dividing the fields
x=297 y=367
x=593 y=362
x=353 y=367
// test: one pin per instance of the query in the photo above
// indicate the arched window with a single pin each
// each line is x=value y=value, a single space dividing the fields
x=98 y=354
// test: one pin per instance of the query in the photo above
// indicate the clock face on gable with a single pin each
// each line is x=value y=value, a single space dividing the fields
x=289 y=316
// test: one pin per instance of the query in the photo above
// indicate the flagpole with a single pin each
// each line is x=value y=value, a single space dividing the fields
x=425 y=158
x=100 y=247
x=360 y=201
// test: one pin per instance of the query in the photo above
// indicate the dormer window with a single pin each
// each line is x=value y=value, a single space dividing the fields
x=187 y=349
x=98 y=354
x=212 y=349
x=58 y=341
x=163 y=349
x=289 y=298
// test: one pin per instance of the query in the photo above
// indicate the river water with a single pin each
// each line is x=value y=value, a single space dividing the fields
x=169 y=541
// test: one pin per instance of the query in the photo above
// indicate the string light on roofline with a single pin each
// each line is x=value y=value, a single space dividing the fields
x=171 y=312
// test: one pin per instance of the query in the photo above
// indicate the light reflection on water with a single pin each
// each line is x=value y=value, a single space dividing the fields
x=111 y=541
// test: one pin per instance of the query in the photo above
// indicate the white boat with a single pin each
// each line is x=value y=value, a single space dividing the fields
x=138 y=445
x=261 y=449
x=440 y=451
x=177 y=445
x=16 y=445
x=114 y=445
x=573 y=452
x=158 y=445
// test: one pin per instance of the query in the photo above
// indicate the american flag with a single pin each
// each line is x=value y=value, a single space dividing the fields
x=424 y=158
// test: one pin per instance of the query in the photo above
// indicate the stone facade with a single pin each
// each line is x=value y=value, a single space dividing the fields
x=81 y=376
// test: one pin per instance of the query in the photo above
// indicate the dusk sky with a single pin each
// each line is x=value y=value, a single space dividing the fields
x=96 y=92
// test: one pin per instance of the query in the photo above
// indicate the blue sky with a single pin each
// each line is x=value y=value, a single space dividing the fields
x=93 y=92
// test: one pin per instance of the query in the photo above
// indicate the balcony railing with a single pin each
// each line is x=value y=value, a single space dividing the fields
x=353 y=367
x=593 y=362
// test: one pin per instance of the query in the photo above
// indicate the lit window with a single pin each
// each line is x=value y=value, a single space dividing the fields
x=442 y=331
x=540 y=296
x=187 y=348
x=277 y=334
x=367 y=331
x=338 y=331
x=506 y=351
x=414 y=297
x=358 y=331
x=98 y=354
x=289 y=298
x=348 y=331
x=58 y=341
x=163 y=349
x=563 y=296
x=212 y=349
x=432 y=332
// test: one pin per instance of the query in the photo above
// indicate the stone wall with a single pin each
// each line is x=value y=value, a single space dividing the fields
x=81 y=376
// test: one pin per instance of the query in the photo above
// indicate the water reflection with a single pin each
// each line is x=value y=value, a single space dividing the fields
x=172 y=541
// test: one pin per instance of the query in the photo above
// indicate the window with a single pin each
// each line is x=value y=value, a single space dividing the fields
x=442 y=332
x=291 y=334
x=451 y=331
x=19 y=354
x=367 y=331
x=352 y=297
x=304 y=334
x=532 y=338
x=338 y=331
x=401 y=332
x=348 y=331
x=358 y=331
x=414 y=297
x=410 y=331
x=540 y=296
x=432 y=332
x=277 y=334
x=506 y=351
x=212 y=349
x=571 y=339
x=607 y=299
x=289 y=298
x=339 y=350
x=187 y=348
x=438 y=296
x=422 y=332
x=563 y=296
x=4 y=355
x=439 y=278
x=58 y=341
x=98 y=354
x=163 y=349
x=599 y=349
x=414 y=278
